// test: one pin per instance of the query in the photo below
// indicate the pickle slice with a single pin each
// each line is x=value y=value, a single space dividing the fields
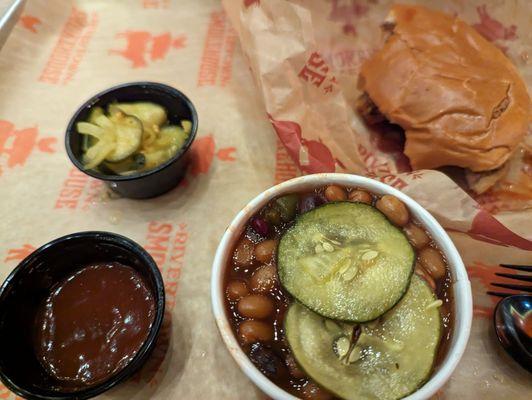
x=116 y=138
x=386 y=359
x=345 y=261
x=130 y=165
x=172 y=135
x=95 y=113
x=150 y=114
x=127 y=132
x=96 y=153
x=187 y=126
x=168 y=142
x=154 y=158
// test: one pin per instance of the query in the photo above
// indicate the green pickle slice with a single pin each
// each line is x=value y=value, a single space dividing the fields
x=117 y=138
x=131 y=137
x=150 y=114
x=345 y=261
x=128 y=135
x=385 y=359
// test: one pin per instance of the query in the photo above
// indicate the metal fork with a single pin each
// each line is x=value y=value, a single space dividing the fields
x=10 y=11
x=518 y=277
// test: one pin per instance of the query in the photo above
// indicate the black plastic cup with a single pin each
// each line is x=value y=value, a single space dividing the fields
x=148 y=183
x=29 y=284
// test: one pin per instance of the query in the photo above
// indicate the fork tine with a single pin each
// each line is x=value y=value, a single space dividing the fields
x=524 y=278
x=527 y=268
x=524 y=288
x=499 y=294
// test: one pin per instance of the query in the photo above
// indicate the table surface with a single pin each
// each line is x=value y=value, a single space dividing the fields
x=62 y=52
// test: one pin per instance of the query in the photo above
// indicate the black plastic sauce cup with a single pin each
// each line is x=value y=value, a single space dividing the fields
x=147 y=183
x=29 y=284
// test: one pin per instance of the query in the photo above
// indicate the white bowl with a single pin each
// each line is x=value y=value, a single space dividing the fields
x=463 y=311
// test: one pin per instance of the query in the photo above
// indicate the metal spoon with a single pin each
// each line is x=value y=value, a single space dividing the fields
x=513 y=325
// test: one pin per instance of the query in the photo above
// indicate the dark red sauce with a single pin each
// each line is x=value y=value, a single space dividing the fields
x=93 y=323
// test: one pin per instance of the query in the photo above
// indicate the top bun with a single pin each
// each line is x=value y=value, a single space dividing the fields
x=459 y=99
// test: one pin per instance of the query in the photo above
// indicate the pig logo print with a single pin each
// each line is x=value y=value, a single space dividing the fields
x=17 y=145
x=346 y=12
x=204 y=152
x=30 y=22
x=310 y=155
x=143 y=47
x=493 y=29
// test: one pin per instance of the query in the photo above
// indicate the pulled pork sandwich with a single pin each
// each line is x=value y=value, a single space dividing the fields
x=458 y=98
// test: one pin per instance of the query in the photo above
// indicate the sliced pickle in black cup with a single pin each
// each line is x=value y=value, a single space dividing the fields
x=117 y=137
x=151 y=114
x=159 y=171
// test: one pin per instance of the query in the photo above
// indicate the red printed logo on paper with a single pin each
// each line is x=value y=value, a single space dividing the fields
x=493 y=29
x=167 y=244
x=346 y=60
x=392 y=180
x=142 y=47
x=16 y=145
x=218 y=51
x=19 y=253
x=156 y=4
x=312 y=156
x=70 y=48
x=79 y=191
x=204 y=153
x=346 y=12
x=30 y=23
x=316 y=72
x=380 y=166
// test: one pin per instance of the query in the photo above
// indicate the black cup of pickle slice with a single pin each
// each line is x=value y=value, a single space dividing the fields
x=135 y=136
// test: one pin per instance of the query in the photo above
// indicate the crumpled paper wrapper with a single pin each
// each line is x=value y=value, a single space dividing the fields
x=305 y=57
x=62 y=52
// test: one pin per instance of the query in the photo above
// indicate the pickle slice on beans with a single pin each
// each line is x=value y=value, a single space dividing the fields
x=386 y=359
x=345 y=261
